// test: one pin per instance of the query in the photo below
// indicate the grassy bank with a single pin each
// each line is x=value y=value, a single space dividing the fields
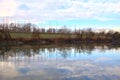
x=32 y=35
x=27 y=33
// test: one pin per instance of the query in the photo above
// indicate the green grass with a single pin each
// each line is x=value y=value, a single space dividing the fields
x=17 y=35
x=52 y=36
x=28 y=35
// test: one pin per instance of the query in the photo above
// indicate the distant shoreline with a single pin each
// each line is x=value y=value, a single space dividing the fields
x=29 y=34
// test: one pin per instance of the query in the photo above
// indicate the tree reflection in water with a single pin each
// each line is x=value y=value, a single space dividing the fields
x=26 y=52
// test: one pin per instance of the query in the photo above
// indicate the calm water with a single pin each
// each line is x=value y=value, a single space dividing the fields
x=63 y=62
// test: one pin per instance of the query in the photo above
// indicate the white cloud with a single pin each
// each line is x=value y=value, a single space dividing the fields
x=60 y=9
x=91 y=9
x=103 y=18
x=8 y=8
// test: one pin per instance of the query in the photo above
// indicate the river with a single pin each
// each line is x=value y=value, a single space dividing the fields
x=60 y=62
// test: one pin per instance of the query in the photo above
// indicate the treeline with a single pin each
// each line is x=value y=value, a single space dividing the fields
x=28 y=27
x=86 y=35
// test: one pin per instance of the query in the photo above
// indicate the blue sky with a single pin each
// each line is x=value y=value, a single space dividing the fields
x=57 y=13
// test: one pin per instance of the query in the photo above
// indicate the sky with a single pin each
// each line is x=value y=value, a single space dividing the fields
x=101 y=14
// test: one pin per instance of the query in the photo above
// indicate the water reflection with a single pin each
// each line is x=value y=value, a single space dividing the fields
x=60 y=62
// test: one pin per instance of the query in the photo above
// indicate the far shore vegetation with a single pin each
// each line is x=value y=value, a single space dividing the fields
x=30 y=33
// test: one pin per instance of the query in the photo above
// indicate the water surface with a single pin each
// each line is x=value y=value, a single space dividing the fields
x=60 y=62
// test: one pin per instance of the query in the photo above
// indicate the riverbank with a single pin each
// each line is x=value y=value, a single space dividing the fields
x=19 y=38
x=14 y=34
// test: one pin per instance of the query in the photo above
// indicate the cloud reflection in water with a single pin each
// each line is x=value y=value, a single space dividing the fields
x=44 y=66
x=60 y=70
